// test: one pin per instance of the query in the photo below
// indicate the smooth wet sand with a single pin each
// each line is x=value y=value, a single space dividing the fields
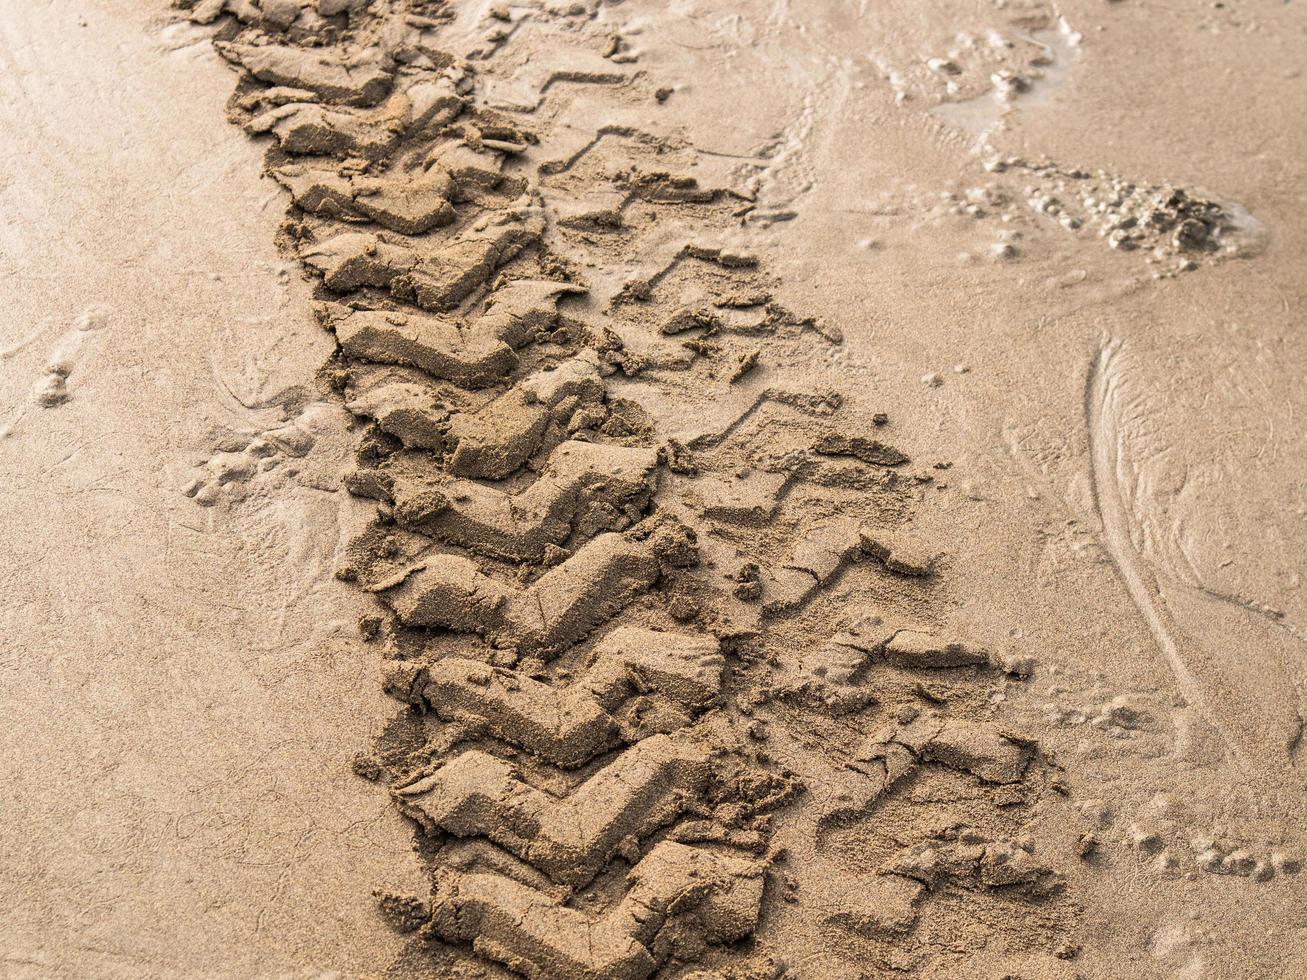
x=181 y=702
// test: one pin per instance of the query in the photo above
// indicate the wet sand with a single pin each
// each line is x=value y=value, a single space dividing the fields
x=843 y=456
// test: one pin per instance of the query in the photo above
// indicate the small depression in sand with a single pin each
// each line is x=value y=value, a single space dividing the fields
x=1026 y=90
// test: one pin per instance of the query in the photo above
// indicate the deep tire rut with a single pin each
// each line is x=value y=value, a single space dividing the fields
x=663 y=649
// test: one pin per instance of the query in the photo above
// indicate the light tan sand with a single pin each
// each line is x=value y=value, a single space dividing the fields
x=826 y=483
x=181 y=697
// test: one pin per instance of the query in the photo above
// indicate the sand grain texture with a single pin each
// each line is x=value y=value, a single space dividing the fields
x=853 y=531
x=180 y=699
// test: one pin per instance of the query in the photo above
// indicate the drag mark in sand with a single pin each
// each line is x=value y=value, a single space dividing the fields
x=1102 y=418
x=1255 y=706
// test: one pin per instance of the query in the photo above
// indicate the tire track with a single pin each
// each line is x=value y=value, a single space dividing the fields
x=610 y=525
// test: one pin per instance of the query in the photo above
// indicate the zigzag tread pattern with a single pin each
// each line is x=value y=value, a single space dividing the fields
x=597 y=607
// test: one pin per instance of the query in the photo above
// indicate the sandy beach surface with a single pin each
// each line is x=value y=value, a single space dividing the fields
x=720 y=489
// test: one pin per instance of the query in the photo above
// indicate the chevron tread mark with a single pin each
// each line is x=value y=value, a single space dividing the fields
x=662 y=645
